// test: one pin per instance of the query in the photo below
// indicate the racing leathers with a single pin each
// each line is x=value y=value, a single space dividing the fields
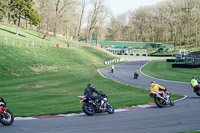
x=89 y=92
x=155 y=87
x=194 y=82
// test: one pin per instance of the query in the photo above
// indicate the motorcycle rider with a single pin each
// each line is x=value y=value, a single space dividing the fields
x=194 y=82
x=89 y=92
x=112 y=69
x=136 y=73
x=155 y=87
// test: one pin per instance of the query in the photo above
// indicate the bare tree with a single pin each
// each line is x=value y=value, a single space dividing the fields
x=96 y=18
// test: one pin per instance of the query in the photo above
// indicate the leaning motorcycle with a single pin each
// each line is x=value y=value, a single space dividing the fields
x=6 y=116
x=197 y=90
x=161 y=98
x=90 y=107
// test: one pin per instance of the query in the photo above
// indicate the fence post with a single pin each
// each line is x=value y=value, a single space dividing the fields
x=6 y=41
x=33 y=44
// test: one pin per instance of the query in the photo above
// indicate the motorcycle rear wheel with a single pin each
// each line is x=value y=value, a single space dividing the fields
x=198 y=92
x=7 y=119
x=159 y=102
x=88 y=109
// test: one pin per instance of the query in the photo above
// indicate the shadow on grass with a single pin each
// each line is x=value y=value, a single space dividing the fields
x=12 y=32
x=34 y=35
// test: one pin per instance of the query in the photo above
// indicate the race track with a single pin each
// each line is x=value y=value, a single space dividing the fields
x=184 y=116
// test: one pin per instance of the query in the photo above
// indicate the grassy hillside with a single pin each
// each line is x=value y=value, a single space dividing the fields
x=38 y=81
x=27 y=37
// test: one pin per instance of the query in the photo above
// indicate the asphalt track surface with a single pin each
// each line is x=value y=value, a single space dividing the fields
x=184 y=116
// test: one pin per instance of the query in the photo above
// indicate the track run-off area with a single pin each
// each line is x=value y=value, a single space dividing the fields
x=184 y=116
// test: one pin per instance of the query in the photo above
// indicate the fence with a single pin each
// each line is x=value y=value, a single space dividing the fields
x=133 y=44
x=192 y=60
x=40 y=43
x=113 y=61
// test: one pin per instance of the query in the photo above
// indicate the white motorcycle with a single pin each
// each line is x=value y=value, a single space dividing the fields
x=161 y=98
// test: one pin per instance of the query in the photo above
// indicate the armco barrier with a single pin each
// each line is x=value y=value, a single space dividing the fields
x=113 y=61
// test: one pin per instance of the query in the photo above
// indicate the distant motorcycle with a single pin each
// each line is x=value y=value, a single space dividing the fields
x=197 y=90
x=136 y=76
x=6 y=116
x=112 y=69
x=161 y=98
x=90 y=107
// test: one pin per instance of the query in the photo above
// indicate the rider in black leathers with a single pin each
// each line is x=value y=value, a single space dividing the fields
x=89 y=92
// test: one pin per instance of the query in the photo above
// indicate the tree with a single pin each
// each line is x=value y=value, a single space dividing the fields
x=22 y=9
x=2 y=10
x=81 y=19
x=60 y=9
x=96 y=18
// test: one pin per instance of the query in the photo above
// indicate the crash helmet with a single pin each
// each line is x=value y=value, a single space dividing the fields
x=153 y=82
x=90 y=85
x=193 y=78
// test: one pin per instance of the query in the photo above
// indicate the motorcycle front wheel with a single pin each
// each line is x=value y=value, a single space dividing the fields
x=7 y=119
x=88 y=109
x=109 y=108
x=159 y=102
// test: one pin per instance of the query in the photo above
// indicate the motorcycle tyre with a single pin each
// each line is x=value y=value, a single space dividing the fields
x=171 y=102
x=111 y=108
x=86 y=111
x=10 y=122
x=156 y=100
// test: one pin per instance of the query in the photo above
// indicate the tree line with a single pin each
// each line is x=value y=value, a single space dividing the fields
x=171 y=21
x=75 y=19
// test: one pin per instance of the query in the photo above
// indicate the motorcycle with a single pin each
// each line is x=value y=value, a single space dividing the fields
x=6 y=116
x=161 y=98
x=197 y=90
x=90 y=107
x=136 y=76
x=112 y=69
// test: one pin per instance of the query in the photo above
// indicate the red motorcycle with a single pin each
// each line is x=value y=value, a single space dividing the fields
x=197 y=90
x=6 y=116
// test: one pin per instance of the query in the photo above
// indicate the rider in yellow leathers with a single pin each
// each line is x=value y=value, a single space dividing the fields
x=155 y=87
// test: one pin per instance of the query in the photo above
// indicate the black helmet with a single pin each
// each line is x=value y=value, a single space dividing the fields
x=90 y=85
x=193 y=78
x=153 y=82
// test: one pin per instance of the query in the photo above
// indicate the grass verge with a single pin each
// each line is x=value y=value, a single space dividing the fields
x=164 y=70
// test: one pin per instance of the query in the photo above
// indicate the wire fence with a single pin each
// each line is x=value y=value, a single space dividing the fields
x=40 y=43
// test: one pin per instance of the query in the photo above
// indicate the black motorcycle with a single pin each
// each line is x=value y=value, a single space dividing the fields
x=136 y=75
